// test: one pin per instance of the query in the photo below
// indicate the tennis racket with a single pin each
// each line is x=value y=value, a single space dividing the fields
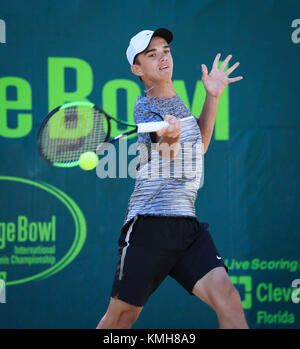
x=78 y=127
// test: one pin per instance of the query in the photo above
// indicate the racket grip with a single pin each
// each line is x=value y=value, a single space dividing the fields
x=153 y=126
x=145 y=127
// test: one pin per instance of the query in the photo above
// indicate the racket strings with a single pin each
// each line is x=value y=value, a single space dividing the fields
x=73 y=131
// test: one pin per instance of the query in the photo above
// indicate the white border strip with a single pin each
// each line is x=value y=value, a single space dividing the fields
x=125 y=248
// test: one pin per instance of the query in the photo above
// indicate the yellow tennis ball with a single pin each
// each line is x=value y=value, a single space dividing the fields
x=88 y=160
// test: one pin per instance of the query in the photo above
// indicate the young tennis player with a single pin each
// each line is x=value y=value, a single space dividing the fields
x=161 y=234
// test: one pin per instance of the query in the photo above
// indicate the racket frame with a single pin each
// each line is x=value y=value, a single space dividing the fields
x=98 y=149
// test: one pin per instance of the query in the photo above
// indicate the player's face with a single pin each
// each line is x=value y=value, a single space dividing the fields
x=156 y=61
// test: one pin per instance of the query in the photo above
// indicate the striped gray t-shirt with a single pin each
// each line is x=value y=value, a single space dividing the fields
x=166 y=187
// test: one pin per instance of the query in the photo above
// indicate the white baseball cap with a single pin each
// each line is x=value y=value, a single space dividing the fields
x=140 y=41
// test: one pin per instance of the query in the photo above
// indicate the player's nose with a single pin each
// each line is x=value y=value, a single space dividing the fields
x=163 y=58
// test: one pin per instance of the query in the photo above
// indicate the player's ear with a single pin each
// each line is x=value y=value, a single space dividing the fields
x=137 y=70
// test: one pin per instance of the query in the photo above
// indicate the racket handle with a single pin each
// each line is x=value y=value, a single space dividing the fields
x=153 y=126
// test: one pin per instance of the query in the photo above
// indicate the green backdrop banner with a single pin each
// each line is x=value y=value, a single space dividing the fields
x=59 y=227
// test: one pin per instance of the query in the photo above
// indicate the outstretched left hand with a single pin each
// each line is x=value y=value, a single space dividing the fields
x=215 y=82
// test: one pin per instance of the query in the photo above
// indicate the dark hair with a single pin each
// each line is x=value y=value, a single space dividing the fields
x=136 y=61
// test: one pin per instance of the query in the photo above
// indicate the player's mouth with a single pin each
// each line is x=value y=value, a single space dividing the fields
x=163 y=67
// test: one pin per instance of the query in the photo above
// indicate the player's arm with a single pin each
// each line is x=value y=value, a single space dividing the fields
x=206 y=121
x=167 y=139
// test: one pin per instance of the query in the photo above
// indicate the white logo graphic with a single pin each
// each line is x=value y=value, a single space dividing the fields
x=219 y=257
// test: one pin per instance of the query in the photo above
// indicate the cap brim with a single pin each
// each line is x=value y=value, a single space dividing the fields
x=164 y=33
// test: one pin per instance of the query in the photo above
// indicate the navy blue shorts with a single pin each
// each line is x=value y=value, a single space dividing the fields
x=153 y=247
